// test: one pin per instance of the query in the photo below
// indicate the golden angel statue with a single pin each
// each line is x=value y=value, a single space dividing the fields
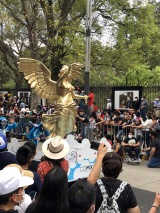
x=62 y=120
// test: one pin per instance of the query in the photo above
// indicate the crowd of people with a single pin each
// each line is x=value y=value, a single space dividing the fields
x=32 y=186
x=132 y=131
x=29 y=186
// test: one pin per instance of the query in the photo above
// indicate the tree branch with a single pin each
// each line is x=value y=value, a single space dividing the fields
x=13 y=13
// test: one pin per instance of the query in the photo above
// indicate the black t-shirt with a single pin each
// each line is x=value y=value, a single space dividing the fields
x=6 y=158
x=34 y=165
x=86 y=120
x=125 y=201
x=156 y=143
x=132 y=140
x=31 y=208
x=9 y=211
x=116 y=121
x=36 y=186
x=136 y=105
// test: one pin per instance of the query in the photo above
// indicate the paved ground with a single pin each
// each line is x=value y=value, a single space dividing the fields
x=145 y=182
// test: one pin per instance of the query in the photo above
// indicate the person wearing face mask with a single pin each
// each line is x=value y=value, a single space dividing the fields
x=136 y=104
x=144 y=107
x=131 y=144
x=25 y=202
x=12 y=192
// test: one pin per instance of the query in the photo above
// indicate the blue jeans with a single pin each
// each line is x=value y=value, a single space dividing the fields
x=154 y=163
x=84 y=130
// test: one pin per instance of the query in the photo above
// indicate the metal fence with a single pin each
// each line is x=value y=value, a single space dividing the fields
x=104 y=91
x=112 y=131
x=94 y=133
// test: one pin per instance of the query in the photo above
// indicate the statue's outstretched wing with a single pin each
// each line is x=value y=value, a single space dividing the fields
x=39 y=77
x=75 y=71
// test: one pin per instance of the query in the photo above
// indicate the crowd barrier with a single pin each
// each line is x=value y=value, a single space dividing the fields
x=93 y=133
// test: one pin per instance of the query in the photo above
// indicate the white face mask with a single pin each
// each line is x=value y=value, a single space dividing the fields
x=23 y=195
x=130 y=136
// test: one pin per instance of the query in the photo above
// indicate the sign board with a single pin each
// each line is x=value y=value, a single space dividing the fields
x=81 y=157
x=13 y=146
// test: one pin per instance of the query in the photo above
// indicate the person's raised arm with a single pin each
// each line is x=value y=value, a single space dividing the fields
x=95 y=172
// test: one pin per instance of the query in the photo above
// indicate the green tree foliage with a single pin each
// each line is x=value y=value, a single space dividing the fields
x=53 y=31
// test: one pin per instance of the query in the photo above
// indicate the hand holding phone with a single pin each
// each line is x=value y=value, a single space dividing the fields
x=102 y=150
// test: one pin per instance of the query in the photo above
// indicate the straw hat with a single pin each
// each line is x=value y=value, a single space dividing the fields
x=55 y=148
x=24 y=172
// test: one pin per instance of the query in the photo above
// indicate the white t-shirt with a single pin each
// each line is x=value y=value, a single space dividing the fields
x=24 y=205
x=108 y=105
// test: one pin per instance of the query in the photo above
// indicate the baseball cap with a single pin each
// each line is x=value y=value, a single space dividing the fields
x=3 y=141
x=108 y=99
x=12 y=179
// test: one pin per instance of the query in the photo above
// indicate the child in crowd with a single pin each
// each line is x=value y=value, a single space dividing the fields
x=11 y=126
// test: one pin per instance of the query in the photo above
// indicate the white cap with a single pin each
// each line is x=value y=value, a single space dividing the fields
x=108 y=99
x=11 y=179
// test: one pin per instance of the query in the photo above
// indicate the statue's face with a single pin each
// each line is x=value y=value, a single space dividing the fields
x=63 y=71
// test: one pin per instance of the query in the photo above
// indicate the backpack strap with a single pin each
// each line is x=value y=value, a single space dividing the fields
x=116 y=194
x=110 y=204
x=103 y=190
x=102 y=187
x=119 y=190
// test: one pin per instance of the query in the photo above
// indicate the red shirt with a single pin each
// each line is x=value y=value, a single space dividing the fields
x=90 y=99
x=95 y=108
x=45 y=167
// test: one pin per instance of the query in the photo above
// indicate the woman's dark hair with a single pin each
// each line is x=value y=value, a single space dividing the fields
x=94 y=115
x=32 y=146
x=24 y=154
x=118 y=140
x=54 y=193
x=108 y=137
x=53 y=162
x=153 y=133
x=112 y=165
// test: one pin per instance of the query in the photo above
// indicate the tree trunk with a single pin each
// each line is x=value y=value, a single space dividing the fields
x=34 y=100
